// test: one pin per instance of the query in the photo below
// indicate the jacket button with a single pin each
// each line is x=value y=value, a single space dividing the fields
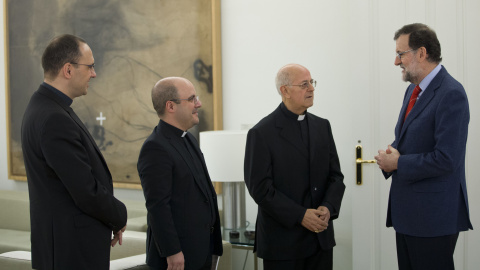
x=315 y=188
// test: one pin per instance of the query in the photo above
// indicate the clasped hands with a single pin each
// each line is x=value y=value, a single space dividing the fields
x=387 y=160
x=316 y=220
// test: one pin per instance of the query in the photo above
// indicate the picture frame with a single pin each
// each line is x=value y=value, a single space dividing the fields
x=134 y=43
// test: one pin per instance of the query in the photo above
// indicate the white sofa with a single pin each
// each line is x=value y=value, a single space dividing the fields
x=15 y=236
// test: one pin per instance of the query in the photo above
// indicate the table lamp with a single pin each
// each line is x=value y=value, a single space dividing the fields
x=224 y=152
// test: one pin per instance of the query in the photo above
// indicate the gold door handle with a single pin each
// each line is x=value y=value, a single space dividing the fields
x=359 y=161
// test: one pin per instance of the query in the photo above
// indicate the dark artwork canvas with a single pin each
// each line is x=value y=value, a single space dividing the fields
x=134 y=43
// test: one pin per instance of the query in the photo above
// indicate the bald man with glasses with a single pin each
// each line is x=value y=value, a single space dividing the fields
x=292 y=171
x=183 y=220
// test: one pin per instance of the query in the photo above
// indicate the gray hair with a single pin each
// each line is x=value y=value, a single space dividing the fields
x=163 y=91
x=283 y=78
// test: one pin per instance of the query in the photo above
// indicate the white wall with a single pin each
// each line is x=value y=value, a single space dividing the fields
x=259 y=37
x=328 y=37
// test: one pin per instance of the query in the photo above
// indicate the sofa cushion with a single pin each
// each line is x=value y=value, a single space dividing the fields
x=138 y=224
x=135 y=208
x=12 y=240
x=134 y=243
x=15 y=210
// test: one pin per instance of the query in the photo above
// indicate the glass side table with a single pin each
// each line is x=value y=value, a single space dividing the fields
x=245 y=241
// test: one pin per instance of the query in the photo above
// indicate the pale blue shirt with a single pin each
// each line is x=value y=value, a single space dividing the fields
x=427 y=80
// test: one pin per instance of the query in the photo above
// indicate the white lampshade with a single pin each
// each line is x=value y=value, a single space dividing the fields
x=224 y=152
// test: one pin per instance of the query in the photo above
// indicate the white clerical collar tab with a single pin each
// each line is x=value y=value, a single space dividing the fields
x=301 y=117
x=184 y=133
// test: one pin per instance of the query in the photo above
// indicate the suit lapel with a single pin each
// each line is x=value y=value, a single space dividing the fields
x=204 y=165
x=403 y=110
x=80 y=123
x=75 y=118
x=179 y=145
x=313 y=128
x=422 y=102
x=290 y=132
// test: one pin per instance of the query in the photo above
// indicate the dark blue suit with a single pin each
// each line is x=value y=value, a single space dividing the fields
x=428 y=195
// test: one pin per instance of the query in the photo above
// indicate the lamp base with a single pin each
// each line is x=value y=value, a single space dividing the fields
x=234 y=216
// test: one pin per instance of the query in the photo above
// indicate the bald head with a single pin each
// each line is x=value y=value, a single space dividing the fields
x=296 y=86
x=287 y=74
x=176 y=102
x=165 y=90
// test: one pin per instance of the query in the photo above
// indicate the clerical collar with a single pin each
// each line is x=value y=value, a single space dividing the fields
x=178 y=132
x=292 y=115
x=59 y=93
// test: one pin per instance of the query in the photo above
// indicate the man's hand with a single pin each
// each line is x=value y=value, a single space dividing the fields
x=176 y=261
x=117 y=237
x=326 y=213
x=313 y=221
x=388 y=160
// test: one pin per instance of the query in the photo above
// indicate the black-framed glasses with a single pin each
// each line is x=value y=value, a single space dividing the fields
x=193 y=98
x=399 y=55
x=305 y=84
x=89 y=66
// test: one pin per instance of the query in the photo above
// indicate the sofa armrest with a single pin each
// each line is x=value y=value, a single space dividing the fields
x=225 y=262
x=18 y=260
x=21 y=260
x=134 y=243
x=131 y=263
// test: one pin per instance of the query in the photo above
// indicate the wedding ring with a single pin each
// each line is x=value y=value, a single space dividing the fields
x=317 y=231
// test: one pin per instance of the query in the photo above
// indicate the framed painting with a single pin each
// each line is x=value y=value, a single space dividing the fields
x=134 y=43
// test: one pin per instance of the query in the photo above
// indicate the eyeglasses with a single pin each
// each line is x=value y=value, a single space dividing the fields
x=399 y=55
x=305 y=84
x=89 y=66
x=194 y=98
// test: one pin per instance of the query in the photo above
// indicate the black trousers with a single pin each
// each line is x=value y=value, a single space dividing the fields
x=425 y=253
x=323 y=260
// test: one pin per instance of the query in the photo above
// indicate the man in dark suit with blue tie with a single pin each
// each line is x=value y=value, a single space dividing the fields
x=183 y=221
x=428 y=204
x=292 y=171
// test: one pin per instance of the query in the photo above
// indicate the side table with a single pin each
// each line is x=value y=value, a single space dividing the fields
x=242 y=242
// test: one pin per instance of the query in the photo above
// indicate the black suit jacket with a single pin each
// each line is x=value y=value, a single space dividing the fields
x=179 y=210
x=285 y=179
x=72 y=208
